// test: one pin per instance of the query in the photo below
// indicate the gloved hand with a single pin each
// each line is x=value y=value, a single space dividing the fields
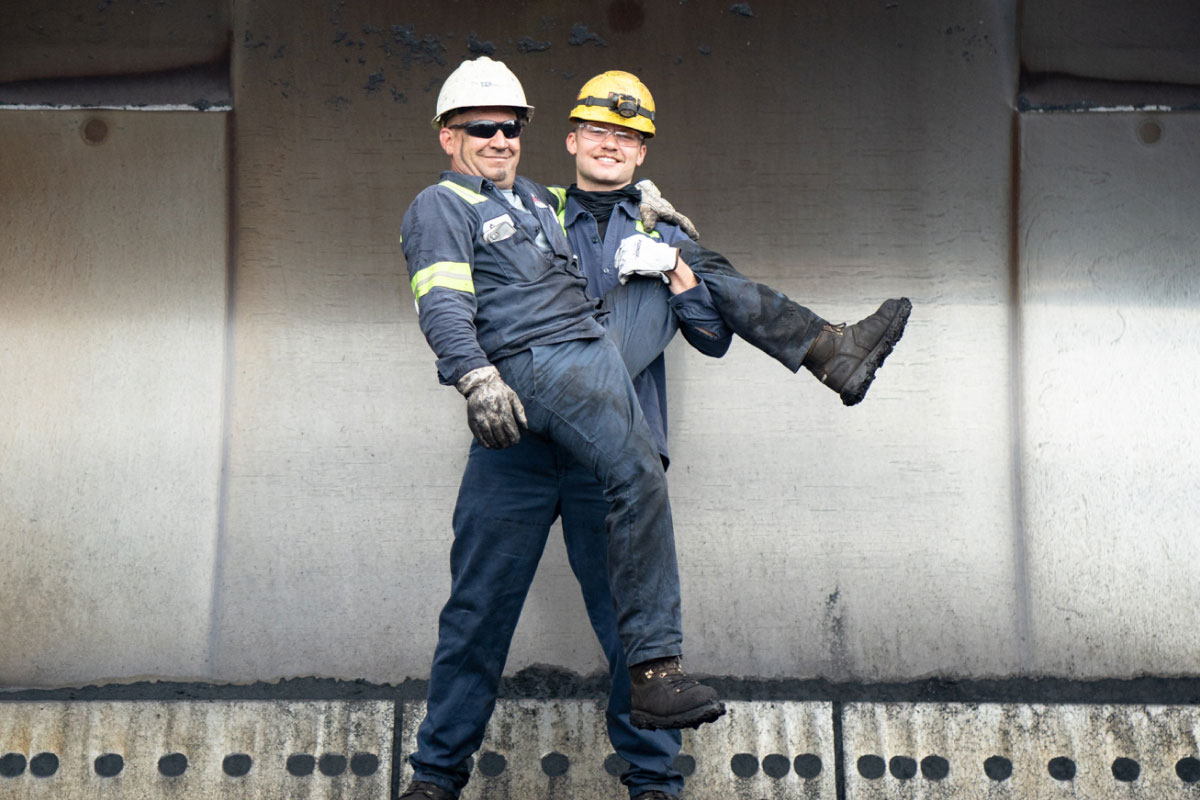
x=641 y=255
x=494 y=412
x=655 y=207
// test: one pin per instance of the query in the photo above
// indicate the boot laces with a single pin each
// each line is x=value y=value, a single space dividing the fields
x=836 y=330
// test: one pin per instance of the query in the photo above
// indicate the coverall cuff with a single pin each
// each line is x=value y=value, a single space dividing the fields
x=652 y=654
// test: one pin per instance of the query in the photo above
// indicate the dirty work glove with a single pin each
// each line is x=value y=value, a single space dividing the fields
x=641 y=255
x=494 y=412
x=655 y=207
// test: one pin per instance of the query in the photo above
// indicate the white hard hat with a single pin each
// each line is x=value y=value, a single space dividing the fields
x=478 y=84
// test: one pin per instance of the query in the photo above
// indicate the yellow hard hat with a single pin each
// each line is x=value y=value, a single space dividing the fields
x=618 y=98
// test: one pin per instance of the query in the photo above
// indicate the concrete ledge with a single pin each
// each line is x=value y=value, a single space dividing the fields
x=557 y=749
x=196 y=750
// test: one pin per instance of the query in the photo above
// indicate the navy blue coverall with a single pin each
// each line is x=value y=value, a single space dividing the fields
x=486 y=293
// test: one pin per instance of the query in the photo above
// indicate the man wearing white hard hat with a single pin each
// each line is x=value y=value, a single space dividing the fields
x=504 y=307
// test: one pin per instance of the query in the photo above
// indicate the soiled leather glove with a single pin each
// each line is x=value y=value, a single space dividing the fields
x=655 y=207
x=494 y=412
x=641 y=255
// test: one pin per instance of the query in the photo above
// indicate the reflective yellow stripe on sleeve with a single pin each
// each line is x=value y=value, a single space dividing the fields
x=560 y=195
x=642 y=229
x=454 y=275
x=470 y=196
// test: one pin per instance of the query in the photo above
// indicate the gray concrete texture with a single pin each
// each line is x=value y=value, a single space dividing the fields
x=1013 y=499
x=931 y=751
x=196 y=750
x=535 y=748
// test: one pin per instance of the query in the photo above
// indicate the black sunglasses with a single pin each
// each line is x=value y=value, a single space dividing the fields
x=486 y=128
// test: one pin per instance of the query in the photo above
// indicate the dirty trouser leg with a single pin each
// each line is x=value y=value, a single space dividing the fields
x=640 y=321
x=579 y=394
x=506 y=503
x=767 y=319
x=649 y=753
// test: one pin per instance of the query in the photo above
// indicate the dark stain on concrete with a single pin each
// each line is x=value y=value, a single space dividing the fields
x=835 y=632
x=545 y=681
x=374 y=81
x=626 y=16
x=426 y=49
x=527 y=44
x=580 y=35
x=251 y=42
x=479 y=47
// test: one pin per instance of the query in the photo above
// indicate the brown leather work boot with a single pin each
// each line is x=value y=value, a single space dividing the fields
x=424 y=790
x=845 y=358
x=664 y=697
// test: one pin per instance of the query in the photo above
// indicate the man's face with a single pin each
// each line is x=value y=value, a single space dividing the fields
x=494 y=158
x=604 y=161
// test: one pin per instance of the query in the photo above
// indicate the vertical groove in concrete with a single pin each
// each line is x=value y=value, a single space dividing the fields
x=397 y=747
x=839 y=751
x=214 y=638
x=1020 y=549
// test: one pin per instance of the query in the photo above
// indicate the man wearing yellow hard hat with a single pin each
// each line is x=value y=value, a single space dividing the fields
x=639 y=271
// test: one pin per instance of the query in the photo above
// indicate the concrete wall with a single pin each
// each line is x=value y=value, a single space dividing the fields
x=966 y=521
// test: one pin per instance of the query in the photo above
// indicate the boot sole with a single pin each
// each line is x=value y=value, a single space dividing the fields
x=860 y=380
x=688 y=719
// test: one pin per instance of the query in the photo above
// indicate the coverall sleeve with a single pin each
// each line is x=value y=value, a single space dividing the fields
x=699 y=321
x=437 y=237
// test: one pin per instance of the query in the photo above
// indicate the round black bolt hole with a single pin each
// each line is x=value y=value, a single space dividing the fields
x=871 y=767
x=903 y=767
x=1150 y=131
x=807 y=766
x=743 y=765
x=301 y=765
x=12 y=765
x=776 y=766
x=555 y=764
x=237 y=765
x=998 y=768
x=366 y=764
x=1061 y=769
x=173 y=765
x=109 y=765
x=1188 y=769
x=935 y=768
x=94 y=131
x=1126 y=770
x=492 y=764
x=43 y=765
x=685 y=765
x=614 y=765
x=332 y=765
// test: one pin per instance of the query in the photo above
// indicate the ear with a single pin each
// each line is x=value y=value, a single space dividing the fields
x=446 y=137
x=641 y=156
x=572 y=145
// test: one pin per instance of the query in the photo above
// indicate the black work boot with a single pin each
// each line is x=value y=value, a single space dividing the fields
x=654 y=794
x=845 y=358
x=664 y=697
x=424 y=790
